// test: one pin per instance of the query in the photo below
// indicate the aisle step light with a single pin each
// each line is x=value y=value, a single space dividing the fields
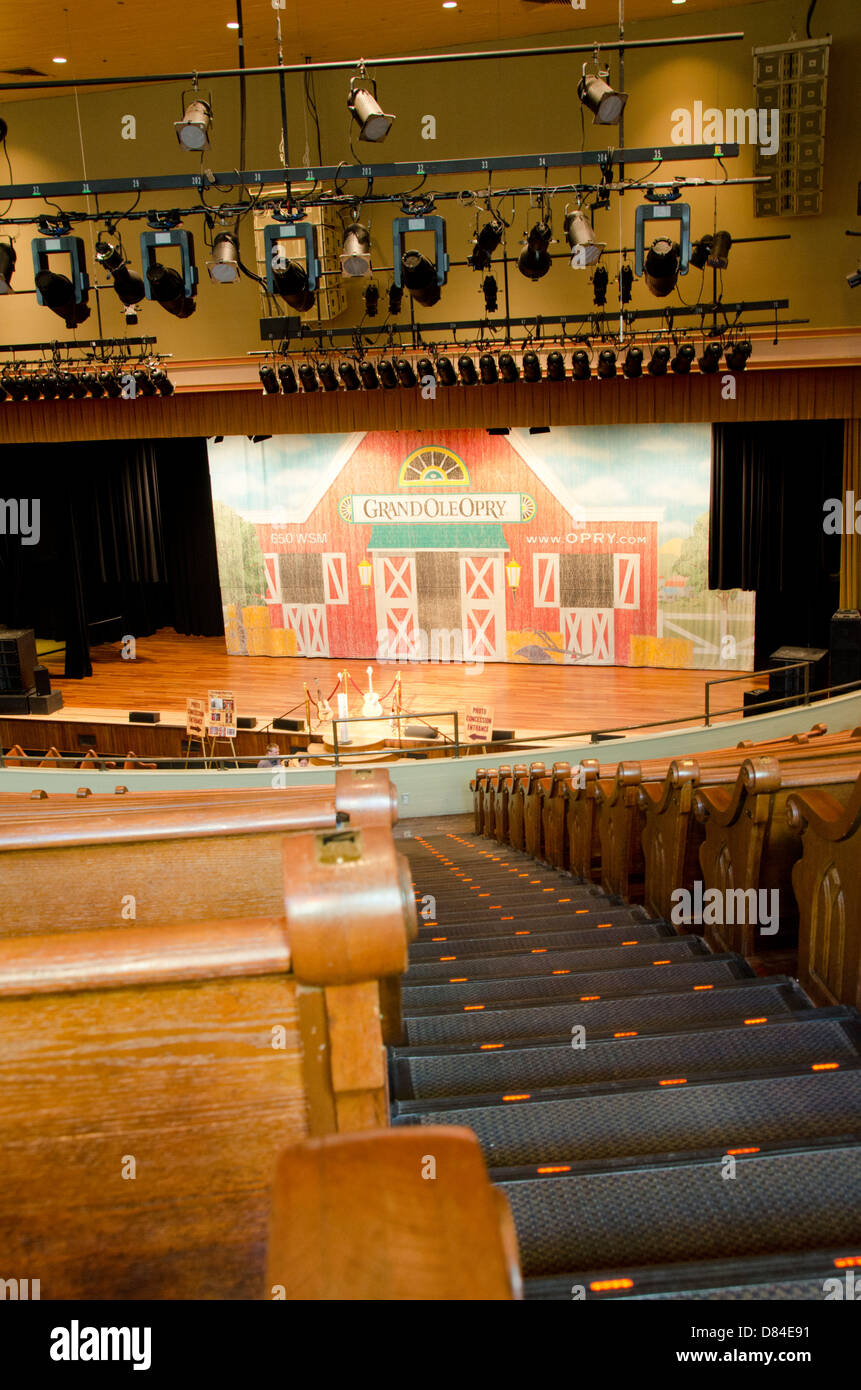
x=67 y=297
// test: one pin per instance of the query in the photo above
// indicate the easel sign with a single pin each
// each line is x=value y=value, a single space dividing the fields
x=195 y=718
x=478 y=723
x=222 y=714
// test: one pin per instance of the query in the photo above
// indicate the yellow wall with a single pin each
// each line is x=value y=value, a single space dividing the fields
x=481 y=109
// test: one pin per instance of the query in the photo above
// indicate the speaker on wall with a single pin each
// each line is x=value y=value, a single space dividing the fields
x=845 y=663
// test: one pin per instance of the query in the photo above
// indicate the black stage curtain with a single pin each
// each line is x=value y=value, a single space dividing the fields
x=768 y=486
x=127 y=542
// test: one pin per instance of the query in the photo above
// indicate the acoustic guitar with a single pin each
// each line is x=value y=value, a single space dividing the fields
x=371 y=707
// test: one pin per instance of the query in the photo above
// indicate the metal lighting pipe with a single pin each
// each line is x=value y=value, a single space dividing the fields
x=350 y=65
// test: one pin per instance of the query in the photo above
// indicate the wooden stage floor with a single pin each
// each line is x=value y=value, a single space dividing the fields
x=533 y=700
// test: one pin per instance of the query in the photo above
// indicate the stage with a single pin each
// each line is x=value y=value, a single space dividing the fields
x=532 y=700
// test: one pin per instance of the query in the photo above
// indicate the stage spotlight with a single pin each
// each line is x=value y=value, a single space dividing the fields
x=488 y=369
x=424 y=369
x=581 y=367
x=700 y=252
x=144 y=384
x=224 y=265
x=555 y=366
x=287 y=378
x=607 y=362
x=32 y=387
x=291 y=285
x=79 y=388
x=269 y=380
x=598 y=96
x=681 y=363
x=111 y=384
x=489 y=290
x=7 y=266
x=396 y=296
x=486 y=241
x=585 y=249
x=531 y=366
x=661 y=267
x=626 y=283
x=718 y=255
x=130 y=288
x=366 y=111
x=93 y=385
x=388 y=375
x=659 y=360
x=326 y=373
x=534 y=260
x=50 y=385
x=65 y=383
x=710 y=360
x=16 y=387
x=356 y=252
x=308 y=377
x=192 y=131
x=600 y=281
x=466 y=369
x=57 y=292
x=162 y=382
x=406 y=375
x=445 y=373
x=3 y=392
x=420 y=278
x=368 y=373
x=372 y=300
x=508 y=368
x=633 y=363
x=350 y=377
x=737 y=355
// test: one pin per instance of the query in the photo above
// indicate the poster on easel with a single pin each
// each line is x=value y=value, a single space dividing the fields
x=222 y=714
x=195 y=718
x=478 y=724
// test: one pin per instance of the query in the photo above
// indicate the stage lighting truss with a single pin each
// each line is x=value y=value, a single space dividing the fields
x=502 y=366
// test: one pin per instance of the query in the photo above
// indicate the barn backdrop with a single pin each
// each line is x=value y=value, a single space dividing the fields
x=577 y=545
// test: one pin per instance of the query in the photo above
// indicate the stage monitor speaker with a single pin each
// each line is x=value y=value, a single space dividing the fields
x=144 y=716
x=501 y=735
x=46 y=704
x=295 y=726
x=17 y=661
x=845 y=664
x=42 y=680
x=245 y=721
x=752 y=699
x=790 y=683
x=14 y=704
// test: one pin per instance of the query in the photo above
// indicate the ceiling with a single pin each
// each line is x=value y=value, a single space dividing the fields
x=136 y=37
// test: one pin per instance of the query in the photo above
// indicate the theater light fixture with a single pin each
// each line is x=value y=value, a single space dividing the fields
x=406 y=374
x=488 y=368
x=600 y=281
x=700 y=252
x=489 y=289
x=326 y=373
x=633 y=363
x=598 y=96
x=581 y=367
x=425 y=370
x=579 y=233
x=350 y=377
x=269 y=380
x=508 y=368
x=606 y=362
x=174 y=290
x=67 y=297
x=718 y=254
x=111 y=384
x=419 y=277
x=446 y=375
x=531 y=366
x=293 y=280
x=413 y=270
x=192 y=131
x=659 y=360
x=130 y=288
x=388 y=375
x=710 y=360
x=366 y=111
x=661 y=267
x=396 y=298
x=224 y=264
x=534 y=260
x=555 y=366
x=287 y=378
x=626 y=283
x=681 y=363
x=7 y=266
x=356 y=252
x=486 y=241
x=144 y=385
x=308 y=377
x=161 y=381
x=737 y=355
x=291 y=285
x=466 y=370
x=368 y=373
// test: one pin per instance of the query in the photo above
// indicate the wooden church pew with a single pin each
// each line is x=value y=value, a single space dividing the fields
x=552 y=810
x=488 y=818
x=533 y=792
x=827 y=885
x=504 y=782
x=516 y=824
x=389 y=1216
x=477 y=788
x=170 y=862
x=149 y=1077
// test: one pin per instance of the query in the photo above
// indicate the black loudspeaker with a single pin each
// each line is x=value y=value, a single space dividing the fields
x=42 y=680
x=789 y=683
x=501 y=735
x=244 y=721
x=17 y=661
x=753 y=699
x=144 y=716
x=845 y=663
x=296 y=726
x=45 y=704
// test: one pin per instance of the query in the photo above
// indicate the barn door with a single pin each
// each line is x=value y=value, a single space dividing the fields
x=308 y=621
x=397 y=606
x=587 y=634
x=482 y=587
